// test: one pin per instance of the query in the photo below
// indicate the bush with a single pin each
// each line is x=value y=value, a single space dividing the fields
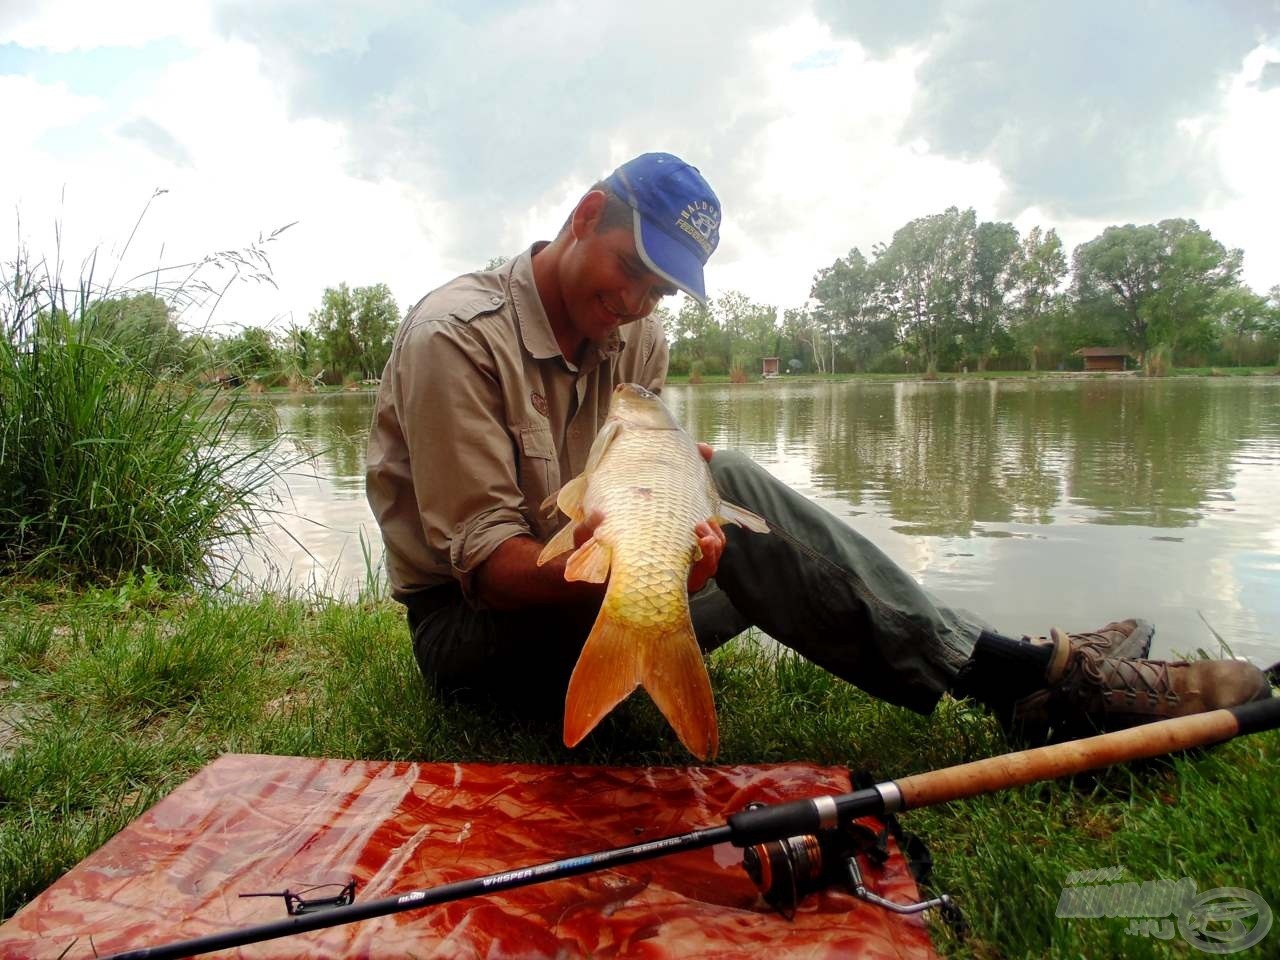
x=713 y=367
x=107 y=469
x=1158 y=362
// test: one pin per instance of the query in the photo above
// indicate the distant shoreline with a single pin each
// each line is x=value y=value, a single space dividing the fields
x=949 y=377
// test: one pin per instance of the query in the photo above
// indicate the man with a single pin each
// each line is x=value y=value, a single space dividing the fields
x=496 y=386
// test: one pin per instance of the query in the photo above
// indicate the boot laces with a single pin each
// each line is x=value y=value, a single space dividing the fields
x=1130 y=677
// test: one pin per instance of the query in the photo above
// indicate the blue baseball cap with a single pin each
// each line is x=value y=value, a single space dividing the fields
x=677 y=217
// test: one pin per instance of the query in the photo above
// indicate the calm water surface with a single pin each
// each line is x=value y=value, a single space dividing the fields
x=1031 y=503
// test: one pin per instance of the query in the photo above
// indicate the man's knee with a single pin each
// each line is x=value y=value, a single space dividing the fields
x=736 y=474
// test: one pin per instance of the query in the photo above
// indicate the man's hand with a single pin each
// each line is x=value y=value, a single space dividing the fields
x=711 y=543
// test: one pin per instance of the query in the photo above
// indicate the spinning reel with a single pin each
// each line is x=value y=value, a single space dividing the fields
x=786 y=871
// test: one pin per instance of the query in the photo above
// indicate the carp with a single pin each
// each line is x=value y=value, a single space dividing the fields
x=651 y=486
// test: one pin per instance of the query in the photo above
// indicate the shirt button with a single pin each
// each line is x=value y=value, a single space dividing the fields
x=495 y=300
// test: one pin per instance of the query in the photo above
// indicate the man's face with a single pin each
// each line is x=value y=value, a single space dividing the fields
x=605 y=283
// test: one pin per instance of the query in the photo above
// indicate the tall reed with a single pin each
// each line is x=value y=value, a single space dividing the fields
x=110 y=468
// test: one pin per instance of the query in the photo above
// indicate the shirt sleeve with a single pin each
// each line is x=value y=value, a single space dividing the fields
x=657 y=357
x=461 y=456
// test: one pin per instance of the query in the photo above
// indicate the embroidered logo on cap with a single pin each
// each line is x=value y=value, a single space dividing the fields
x=539 y=402
x=701 y=221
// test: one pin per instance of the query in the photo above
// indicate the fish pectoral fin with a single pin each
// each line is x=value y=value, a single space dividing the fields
x=674 y=673
x=568 y=498
x=731 y=513
x=608 y=670
x=571 y=496
x=562 y=542
x=590 y=562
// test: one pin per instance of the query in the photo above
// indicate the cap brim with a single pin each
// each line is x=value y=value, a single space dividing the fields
x=669 y=258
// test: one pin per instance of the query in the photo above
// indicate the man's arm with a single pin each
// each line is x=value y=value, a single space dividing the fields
x=511 y=579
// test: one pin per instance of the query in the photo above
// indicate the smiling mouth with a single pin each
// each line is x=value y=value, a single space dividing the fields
x=615 y=315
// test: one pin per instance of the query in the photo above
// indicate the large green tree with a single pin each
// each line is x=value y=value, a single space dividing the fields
x=1157 y=283
x=356 y=329
x=251 y=353
x=142 y=327
x=1271 y=320
x=994 y=275
x=750 y=328
x=692 y=334
x=925 y=276
x=848 y=312
x=1041 y=267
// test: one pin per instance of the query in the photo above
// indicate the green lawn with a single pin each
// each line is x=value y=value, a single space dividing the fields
x=110 y=699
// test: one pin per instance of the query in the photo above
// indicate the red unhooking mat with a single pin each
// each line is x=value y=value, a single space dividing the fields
x=248 y=824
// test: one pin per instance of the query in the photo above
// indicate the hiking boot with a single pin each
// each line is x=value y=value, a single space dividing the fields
x=1087 y=693
x=1121 y=638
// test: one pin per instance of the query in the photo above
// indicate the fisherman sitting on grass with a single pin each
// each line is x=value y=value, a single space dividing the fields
x=497 y=385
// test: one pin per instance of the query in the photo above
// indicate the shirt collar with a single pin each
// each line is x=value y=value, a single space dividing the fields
x=535 y=329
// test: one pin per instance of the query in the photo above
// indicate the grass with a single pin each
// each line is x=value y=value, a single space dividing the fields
x=117 y=696
x=111 y=463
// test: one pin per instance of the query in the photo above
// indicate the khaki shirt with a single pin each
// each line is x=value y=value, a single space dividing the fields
x=480 y=418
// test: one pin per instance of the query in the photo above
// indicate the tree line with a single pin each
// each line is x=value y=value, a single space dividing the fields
x=950 y=292
x=346 y=339
x=946 y=293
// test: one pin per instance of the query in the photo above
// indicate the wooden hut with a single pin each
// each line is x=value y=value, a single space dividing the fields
x=769 y=367
x=1104 y=358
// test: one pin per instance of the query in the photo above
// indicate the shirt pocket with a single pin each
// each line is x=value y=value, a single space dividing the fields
x=539 y=476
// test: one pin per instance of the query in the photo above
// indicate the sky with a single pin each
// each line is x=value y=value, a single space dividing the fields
x=405 y=142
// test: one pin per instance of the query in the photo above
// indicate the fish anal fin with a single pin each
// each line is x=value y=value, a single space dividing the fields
x=562 y=542
x=608 y=670
x=731 y=513
x=590 y=562
x=675 y=675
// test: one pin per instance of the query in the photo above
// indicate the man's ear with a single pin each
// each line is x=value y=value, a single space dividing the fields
x=587 y=214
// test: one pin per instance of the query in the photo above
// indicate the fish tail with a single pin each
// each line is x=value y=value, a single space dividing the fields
x=608 y=669
x=675 y=675
x=667 y=661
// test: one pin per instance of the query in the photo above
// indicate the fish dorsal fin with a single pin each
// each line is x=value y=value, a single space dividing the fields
x=731 y=513
x=590 y=562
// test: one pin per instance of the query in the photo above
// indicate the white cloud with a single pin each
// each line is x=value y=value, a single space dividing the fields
x=406 y=169
x=828 y=170
x=1247 y=142
x=251 y=169
x=65 y=25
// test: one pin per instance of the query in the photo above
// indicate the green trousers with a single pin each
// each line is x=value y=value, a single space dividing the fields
x=813 y=584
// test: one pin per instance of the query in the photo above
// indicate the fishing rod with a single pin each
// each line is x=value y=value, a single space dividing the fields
x=777 y=835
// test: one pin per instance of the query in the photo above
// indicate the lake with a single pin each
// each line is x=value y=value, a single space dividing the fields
x=1034 y=503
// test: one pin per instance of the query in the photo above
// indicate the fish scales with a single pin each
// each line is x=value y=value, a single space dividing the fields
x=651 y=488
